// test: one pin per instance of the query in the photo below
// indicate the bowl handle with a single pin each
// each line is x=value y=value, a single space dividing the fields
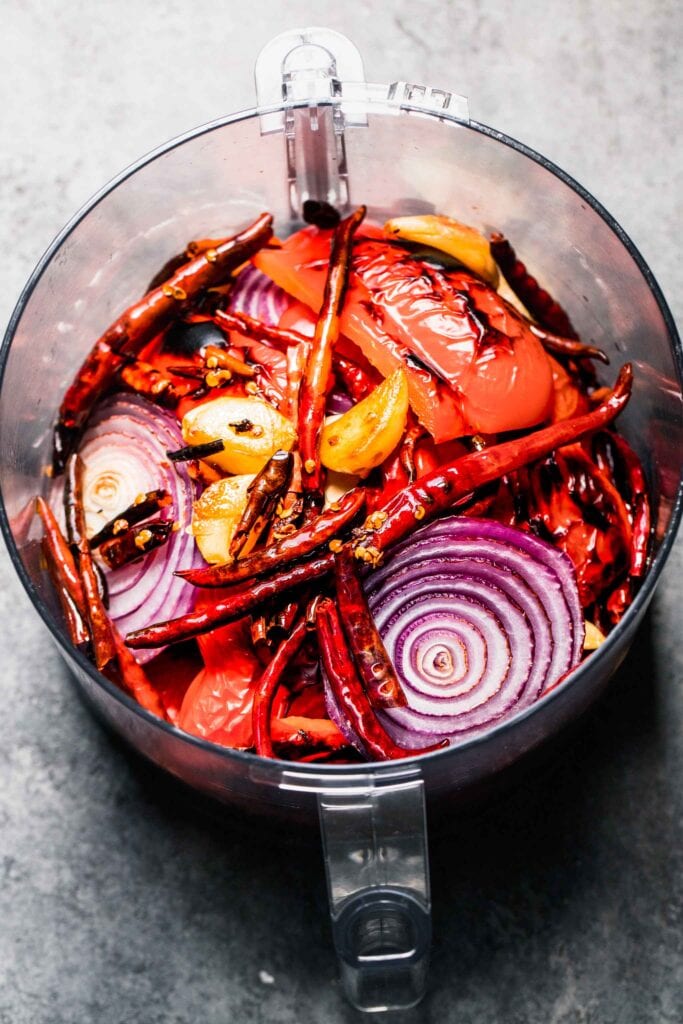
x=375 y=846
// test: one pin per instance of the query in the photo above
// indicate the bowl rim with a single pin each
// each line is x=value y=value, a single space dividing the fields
x=314 y=772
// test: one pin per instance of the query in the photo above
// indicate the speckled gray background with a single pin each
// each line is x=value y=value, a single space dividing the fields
x=564 y=905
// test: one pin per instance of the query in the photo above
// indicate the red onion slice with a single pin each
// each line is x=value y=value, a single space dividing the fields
x=124 y=451
x=257 y=296
x=479 y=620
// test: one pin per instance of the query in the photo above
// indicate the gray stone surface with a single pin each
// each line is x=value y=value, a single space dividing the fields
x=562 y=906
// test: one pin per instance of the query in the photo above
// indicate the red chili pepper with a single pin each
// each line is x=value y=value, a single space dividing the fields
x=568 y=347
x=64 y=576
x=192 y=249
x=140 y=322
x=234 y=604
x=437 y=492
x=218 y=358
x=348 y=691
x=292 y=548
x=134 y=678
x=374 y=665
x=135 y=543
x=637 y=499
x=539 y=302
x=100 y=628
x=144 y=379
x=279 y=337
x=263 y=494
x=316 y=377
x=268 y=684
x=144 y=506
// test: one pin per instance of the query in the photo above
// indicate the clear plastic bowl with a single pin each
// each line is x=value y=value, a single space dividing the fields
x=321 y=131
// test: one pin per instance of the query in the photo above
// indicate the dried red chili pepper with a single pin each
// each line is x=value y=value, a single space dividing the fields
x=135 y=543
x=348 y=691
x=144 y=379
x=568 y=347
x=636 y=496
x=537 y=300
x=374 y=665
x=414 y=432
x=316 y=377
x=234 y=604
x=279 y=337
x=192 y=249
x=268 y=684
x=134 y=679
x=98 y=621
x=144 y=506
x=263 y=494
x=140 y=322
x=218 y=358
x=296 y=546
x=438 y=491
x=64 y=576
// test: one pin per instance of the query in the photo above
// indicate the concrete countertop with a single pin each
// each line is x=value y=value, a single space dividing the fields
x=562 y=906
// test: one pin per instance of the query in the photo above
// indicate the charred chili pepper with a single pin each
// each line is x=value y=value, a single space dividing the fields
x=100 y=628
x=289 y=511
x=144 y=379
x=236 y=603
x=568 y=347
x=218 y=359
x=537 y=300
x=197 y=451
x=348 y=691
x=192 y=249
x=133 y=678
x=144 y=506
x=140 y=322
x=64 y=576
x=268 y=684
x=374 y=665
x=290 y=549
x=415 y=505
x=135 y=543
x=263 y=494
x=279 y=337
x=316 y=377
x=414 y=432
x=636 y=497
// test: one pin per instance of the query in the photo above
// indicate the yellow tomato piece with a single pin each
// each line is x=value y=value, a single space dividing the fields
x=464 y=243
x=216 y=514
x=251 y=430
x=362 y=438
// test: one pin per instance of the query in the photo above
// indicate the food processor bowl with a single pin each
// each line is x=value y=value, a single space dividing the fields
x=319 y=131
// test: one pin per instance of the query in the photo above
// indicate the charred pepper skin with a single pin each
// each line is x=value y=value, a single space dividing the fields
x=349 y=693
x=290 y=549
x=537 y=300
x=140 y=322
x=374 y=665
x=135 y=543
x=268 y=684
x=316 y=378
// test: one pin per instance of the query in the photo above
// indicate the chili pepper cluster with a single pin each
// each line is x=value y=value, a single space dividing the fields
x=296 y=556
